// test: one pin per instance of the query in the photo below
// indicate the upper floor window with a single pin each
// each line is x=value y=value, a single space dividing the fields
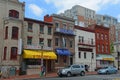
x=64 y=26
x=29 y=40
x=13 y=13
x=79 y=54
x=106 y=37
x=14 y=32
x=13 y=55
x=57 y=25
x=30 y=27
x=85 y=55
x=98 y=35
x=41 y=28
x=5 y=52
x=6 y=32
x=102 y=37
x=81 y=39
x=49 y=42
x=71 y=43
x=91 y=41
x=92 y=55
x=41 y=40
x=56 y=41
x=49 y=30
x=98 y=48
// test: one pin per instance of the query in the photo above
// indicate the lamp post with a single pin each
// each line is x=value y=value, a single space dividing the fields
x=42 y=43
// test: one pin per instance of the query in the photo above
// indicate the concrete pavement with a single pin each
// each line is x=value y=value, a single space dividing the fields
x=53 y=74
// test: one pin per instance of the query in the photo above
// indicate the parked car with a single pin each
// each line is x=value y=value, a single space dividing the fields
x=108 y=70
x=72 y=70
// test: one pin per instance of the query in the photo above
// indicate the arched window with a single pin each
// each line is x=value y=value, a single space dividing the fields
x=13 y=13
x=15 y=32
x=13 y=55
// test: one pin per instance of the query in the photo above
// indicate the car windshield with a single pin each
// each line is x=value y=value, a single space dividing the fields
x=104 y=67
x=67 y=66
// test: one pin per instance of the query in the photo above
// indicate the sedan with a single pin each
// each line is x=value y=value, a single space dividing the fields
x=108 y=70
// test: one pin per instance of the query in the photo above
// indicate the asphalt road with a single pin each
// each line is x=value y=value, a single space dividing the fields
x=87 y=77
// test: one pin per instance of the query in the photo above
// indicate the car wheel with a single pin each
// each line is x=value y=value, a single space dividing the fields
x=82 y=73
x=68 y=74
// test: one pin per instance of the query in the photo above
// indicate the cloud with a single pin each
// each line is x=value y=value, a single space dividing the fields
x=36 y=9
x=96 y=5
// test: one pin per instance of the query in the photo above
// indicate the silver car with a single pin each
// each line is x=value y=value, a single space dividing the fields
x=107 y=70
x=72 y=70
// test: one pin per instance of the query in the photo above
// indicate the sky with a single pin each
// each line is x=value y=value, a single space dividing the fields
x=37 y=9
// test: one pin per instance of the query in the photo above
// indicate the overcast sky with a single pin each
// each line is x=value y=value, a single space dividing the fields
x=36 y=9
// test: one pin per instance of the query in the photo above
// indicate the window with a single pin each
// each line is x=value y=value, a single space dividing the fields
x=49 y=42
x=91 y=41
x=41 y=28
x=14 y=32
x=65 y=42
x=81 y=39
x=97 y=35
x=98 y=48
x=41 y=40
x=6 y=32
x=102 y=36
x=30 y=27
x=102 y=48
x=106 y=38
x=64 y=26
x=71 y=44
x=49 y=30
x=84 y=55
x=92 y=56
x=5 y=52
x=56 y=41
x=106 y=48
x=13 y=53
x=79 y=54
x=56 y=25
x=29 y=40
x=13 y=13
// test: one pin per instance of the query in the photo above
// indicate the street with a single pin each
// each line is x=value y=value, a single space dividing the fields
x=87 y=77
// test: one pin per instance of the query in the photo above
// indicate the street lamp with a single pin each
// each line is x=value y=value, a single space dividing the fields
x=42 y=44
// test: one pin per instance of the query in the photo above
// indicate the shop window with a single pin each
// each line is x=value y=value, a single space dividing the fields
x=49 y=30
x=42 y=28
x=13 y=53
x=29 y=40
x=6 y=32
x=13 y=13
x=14 y=32
x=30 y=27
x=49 y=42
x=5 y=52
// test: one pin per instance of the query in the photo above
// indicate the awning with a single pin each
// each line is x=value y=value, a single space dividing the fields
x=32 y=54
x=63 y=51
x=105 y=57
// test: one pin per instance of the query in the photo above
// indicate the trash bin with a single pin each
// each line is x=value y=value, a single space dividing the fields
x=12 y=71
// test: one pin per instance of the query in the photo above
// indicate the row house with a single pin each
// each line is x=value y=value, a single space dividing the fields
x=63 y=38
x=37 y=46
x=11 y=23
x=85 y=51
x=103 y=55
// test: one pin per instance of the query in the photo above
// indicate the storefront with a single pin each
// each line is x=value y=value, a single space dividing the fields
x=63 y=58
x=32 y=60
x=104 y=60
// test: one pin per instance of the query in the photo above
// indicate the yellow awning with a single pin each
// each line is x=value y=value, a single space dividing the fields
x=32 y=54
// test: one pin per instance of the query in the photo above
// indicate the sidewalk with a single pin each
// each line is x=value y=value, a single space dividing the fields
x=38 y=76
